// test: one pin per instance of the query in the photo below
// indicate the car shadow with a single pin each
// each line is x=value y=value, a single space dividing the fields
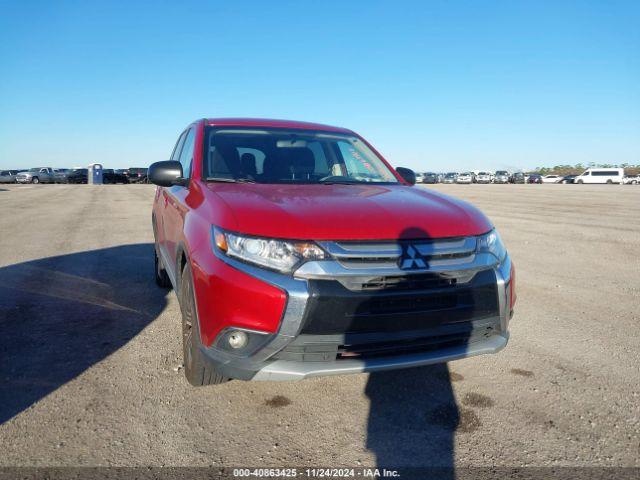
x=61 y=315
x=413 y=419
x=413 y=416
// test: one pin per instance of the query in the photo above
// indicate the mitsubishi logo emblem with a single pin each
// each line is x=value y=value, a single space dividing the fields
x=411 y=259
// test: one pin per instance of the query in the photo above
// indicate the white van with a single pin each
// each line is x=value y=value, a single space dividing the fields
x=601 y=175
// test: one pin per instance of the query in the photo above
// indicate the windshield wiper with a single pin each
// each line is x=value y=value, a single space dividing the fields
x=339 y=182
x=230 y=180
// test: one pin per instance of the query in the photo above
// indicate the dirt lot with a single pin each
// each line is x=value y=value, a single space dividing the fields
x=90 y=350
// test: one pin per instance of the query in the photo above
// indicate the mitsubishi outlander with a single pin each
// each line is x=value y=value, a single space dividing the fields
x=297 y=251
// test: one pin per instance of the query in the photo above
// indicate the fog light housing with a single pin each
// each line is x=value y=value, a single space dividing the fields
x=240 y=341
x=237 y=339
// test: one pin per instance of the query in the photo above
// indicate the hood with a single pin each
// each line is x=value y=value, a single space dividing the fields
x=346 y=212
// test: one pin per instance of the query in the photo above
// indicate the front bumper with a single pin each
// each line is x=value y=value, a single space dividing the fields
x=333 y=330
x=288 y=370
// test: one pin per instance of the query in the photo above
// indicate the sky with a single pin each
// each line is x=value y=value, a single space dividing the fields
x=434 y=85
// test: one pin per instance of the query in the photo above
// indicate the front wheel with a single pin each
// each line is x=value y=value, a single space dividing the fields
x=197 y=369
x=35 y=180
x=580 y=182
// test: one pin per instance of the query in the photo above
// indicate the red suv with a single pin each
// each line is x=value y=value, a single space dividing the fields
x=296 y=250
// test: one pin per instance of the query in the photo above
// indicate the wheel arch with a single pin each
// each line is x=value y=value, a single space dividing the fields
x=182 y=257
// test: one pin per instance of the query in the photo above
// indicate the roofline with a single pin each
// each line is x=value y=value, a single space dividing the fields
x=274 y=123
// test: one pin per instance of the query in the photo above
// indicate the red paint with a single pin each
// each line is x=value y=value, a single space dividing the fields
x=345 y=212
x=226 y=296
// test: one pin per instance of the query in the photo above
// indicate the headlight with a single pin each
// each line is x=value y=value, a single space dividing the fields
x=275 y=254
x=492 y=243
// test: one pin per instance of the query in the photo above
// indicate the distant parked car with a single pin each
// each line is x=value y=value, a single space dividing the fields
x=517 y=177
x=551 y=178
x=137 y=175
x=8 y=176
x=466 y=177
x=60 y=175
x=501 y=176
x=483 y=177
x=631 y=180
x=534 y=178
x=109 y=175
x=430 y=177
x=601 y=175
x=450 y=177
x=78 y=175
x=568 y=179
x=36 y=175
x=419 y=177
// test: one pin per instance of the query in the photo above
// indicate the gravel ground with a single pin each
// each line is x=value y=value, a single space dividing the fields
x=90 y=354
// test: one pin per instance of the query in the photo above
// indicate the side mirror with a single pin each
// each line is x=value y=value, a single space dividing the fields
x=407 y=175
x=166 y=174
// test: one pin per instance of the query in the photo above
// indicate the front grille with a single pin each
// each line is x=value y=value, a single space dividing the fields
x=409 y=282
x=402 y=347
x=328 y=348
x=367 y=255
x=395 y=298
x=333 y=308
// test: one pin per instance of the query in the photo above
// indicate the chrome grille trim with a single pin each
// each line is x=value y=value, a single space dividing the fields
x=362 y=262
x=331 y=269
x=447 y=247
x=380 y=250
x=362 y=250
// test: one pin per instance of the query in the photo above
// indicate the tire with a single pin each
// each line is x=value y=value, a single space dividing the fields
x=197 y=369
x=35 y=180
x=609 y=182
x=580 y=182
x=162 y=278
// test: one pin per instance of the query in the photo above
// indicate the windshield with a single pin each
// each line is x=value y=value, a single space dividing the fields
x=501 y=172
x=283 y=156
